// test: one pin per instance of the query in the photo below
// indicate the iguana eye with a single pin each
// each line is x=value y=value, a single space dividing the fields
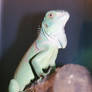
x=50 y=15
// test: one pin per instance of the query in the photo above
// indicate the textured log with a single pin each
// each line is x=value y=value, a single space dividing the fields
x=69 y=78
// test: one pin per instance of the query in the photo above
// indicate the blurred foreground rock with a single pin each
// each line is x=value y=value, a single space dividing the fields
x=69 y=78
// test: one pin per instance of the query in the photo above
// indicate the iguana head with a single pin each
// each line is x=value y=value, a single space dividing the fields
x=53 y=26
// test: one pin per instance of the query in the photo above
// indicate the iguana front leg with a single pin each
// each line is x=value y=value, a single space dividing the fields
x=45 y=59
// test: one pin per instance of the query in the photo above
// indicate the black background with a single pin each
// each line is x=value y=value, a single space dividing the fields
x=20 y=20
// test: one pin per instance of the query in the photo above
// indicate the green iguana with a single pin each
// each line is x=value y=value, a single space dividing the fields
x=43 y=51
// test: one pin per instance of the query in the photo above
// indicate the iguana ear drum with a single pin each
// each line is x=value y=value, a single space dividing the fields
x=46 y=25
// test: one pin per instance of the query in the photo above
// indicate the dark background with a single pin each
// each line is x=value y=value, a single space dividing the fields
x=19 y=20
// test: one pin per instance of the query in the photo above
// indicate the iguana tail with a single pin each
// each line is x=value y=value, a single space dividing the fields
x=13 y=86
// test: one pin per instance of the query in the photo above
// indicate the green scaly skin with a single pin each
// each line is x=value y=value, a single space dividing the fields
x=43 y=51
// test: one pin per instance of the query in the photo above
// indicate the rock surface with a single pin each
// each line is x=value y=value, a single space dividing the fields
x=69 y=78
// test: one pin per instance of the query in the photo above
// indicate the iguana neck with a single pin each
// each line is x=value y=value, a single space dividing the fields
x=50 y=38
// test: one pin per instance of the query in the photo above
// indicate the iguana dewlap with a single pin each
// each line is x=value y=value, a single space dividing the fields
x=43 y=51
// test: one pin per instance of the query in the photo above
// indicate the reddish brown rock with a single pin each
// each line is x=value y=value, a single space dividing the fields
x=69 y=78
